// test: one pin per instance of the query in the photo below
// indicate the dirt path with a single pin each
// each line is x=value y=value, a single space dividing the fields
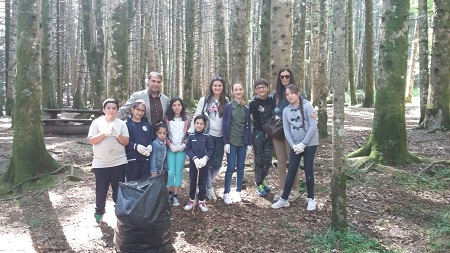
x=60 y=218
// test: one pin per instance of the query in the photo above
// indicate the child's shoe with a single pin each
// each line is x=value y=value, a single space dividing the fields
x=202 y=206
x=98 y=217
x=175 y=201
x=266 y=186
x=260 y=190
x=237 y=197
x=311 y=204
x=281 y=203
x=189 y=205
x=227 y=198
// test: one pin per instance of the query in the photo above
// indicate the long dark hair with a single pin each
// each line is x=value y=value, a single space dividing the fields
x=280 y=89
x=222 y=98
x=170 y=114
x=295 y=89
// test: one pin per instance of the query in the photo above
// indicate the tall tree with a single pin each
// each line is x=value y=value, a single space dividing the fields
x=388 y=140
x=423 y=58
x=339 y=77
x=351 y=54
x=314 y=55
x=298 y=41
x=28 y=139
x=220 y=41
x=437 y=113
x=322 y=83
x=189 y=54
x=281 y=35
x=265 y=71
x=368 y=57
x=10 y=53
x=48 y=83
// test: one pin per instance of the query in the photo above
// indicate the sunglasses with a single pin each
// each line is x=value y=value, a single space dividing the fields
x=285 y=77
x=218 y=78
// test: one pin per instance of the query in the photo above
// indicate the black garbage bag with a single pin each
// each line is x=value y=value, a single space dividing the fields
x=143 y=217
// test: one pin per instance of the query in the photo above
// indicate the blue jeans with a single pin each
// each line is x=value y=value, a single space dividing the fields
x=175 y=164
x=294 y=162
x=215 y=161
x=236 y=158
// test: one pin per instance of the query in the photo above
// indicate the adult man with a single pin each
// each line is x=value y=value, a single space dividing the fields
x=155 y=102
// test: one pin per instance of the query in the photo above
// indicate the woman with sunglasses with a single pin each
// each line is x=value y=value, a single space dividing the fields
x=282 y=149
x=212 y=106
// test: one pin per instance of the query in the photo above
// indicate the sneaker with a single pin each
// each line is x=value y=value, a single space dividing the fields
x=202 y=206
x=311 y=204
x=189 y=205
x=293 y=195
x=278 y=195
x=227 y=198
x=211 y=195
x=280 y=203
x=260 y=190
x=98 y=217
x=175 y=202
x=237 y=197
x=266 y=186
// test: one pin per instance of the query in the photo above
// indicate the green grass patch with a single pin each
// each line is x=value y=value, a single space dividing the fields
x=439 y=236
x=435 y=180
x=344 y=242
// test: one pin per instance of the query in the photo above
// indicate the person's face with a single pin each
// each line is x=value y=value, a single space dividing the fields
x=238 y=91
x=199 y=125
x=261 y=90
x=292 y=97
x=285 y=78
x=217 y=88
x=177 y=107
x=139 y=111
x=110 y=109
x=161 y=133
x=154 y=84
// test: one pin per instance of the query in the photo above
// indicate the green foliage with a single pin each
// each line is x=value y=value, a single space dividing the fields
x=345 y=242
x=435 y=180
x=438 y=236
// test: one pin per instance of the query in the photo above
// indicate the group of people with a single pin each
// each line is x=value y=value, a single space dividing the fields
x=158 y=135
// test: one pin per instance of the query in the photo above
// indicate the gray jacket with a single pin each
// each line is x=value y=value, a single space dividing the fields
x=125 y=110
x=292 y=125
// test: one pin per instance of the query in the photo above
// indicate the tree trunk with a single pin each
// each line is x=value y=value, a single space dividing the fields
x=281 y=36
x=315 y=45
x=368 y=57
x=265 y=54
x=10 y=55
x=28 y=139
x=323 y=71
x=339 y=77
x=412 y=65
x=423 y=58
x=298 y=41
x=48 y=84
x=388 y=139
x=351 y=54
x=437 y=113
x=189 y=55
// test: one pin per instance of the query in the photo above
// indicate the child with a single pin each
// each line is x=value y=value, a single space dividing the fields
x=177 y=123
x=261 y=109
x=303 y=137
x=237 y=138
x=108 y=137
x=199 y=147
x=159 y=154
x=140 y=145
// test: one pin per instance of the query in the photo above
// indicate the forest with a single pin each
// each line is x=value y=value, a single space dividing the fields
x=377 y=70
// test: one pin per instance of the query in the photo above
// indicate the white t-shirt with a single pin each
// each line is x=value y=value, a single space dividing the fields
x=177 y=131
x=109 y=152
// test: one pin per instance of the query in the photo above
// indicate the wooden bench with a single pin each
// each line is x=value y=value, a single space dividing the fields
x=54 y=112
x=62 y=121
x=68 y=126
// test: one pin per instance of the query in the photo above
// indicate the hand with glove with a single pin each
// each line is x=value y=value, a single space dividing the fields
x=226 y=148
x=107 y=132
x=181 y=148
x=173 y=148
x=204 y=161
x=249 y=150
x=115 y=132
x=299 y=148
x=150 y=148
x=142 y=150
x=197 y=163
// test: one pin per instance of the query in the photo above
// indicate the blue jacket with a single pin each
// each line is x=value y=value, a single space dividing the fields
x=198 y=145
x=158 y=161
x=140 y=133
x=226 y=124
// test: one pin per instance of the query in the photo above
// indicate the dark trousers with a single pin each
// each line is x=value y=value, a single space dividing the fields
x=294 y=163
x=136 y=170
x=262 y=148
x=201 y=181
x=104 y=177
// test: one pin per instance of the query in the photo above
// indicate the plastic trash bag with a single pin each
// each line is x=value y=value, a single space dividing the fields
x=143 y=217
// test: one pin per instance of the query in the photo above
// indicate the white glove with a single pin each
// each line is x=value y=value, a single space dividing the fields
x=173 y=148
x=115 y=132
x=149 y=148
x=141 y=149
x=249 y=150
x=197 y=163
x=298 y=148
x=108 y=132
x=181 y=147
x=204 y=161
x=226 y=148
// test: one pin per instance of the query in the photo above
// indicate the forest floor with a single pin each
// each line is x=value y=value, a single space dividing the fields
x=405 y=212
